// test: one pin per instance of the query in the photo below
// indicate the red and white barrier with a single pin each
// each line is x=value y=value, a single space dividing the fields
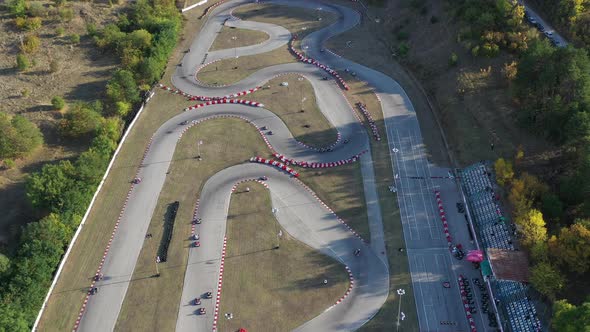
x=350 y=286
x=203 y=98
x=108 y=247
x=470 y=318
x=305 y=164
x=225 y=101
x=371 y=122
x=219 y=283
x=443 y=217
x=210 y=8
x=305 y=59
x=275 y=164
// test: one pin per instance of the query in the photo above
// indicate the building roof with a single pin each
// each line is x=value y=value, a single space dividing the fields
x=509 y=264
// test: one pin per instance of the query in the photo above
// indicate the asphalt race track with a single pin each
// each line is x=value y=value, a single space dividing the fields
x=299 y=212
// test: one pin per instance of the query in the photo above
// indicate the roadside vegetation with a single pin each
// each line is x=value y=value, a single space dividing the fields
x=143 y=37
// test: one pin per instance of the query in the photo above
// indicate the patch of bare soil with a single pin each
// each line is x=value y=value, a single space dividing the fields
x=470 y=100
x=82 y=72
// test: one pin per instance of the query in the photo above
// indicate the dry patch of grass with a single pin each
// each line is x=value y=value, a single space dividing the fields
x=298 y=21
x=243 y=37
x=266 y=288
x=239 y=141
x=288 y=102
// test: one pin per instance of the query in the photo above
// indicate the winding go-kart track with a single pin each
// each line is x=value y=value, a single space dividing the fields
x=298 y=210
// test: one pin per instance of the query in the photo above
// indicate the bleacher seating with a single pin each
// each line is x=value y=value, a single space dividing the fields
x=489 y=221
x=519 y=309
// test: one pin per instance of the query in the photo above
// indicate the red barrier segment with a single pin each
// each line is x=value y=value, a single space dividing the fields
x=203 y=98
x=225 y=101
x=443 y=217
x=305 y=59
x=275 y=164
x=363 y=108
x=305 y=164
x=468 y=314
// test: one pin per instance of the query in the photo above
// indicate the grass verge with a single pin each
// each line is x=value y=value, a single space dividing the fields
x=243 y=37
x=298 y=21
x=66 y=299
x=239 y=141
x=309 y=127
x=265 y=287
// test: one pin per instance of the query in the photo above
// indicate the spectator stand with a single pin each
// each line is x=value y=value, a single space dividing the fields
x=514 y=306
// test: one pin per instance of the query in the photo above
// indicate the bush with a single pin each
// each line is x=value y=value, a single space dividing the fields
x=122 y=87
x=91 y=29
x=34 y=23
x=54 y=65
x=22 y=63
x=9 y=164
x=433 y=19
x=17 y=7
x=402 y=49
x=454 y=59
x=66 y=14
x=122 y=108
x=30 y=44
x=20 y=22
x=80 y=120
x=58 y=102
x=75 y=38
x=18 y=136
x=59 y=31
x=36 y=9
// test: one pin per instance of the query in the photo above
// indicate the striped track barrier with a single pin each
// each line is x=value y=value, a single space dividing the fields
x=466 y=306
x=305 y=59
x=363 y=108
x=203 y=98
x=305 y=164
x=276 y=164
x=443 y=217
x=225 y=101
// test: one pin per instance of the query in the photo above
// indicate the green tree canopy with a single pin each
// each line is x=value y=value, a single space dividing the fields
x=572 y=247
x=122 y=87
x=45 y=189
x=547 y=279
x=80 y=120
x=570 y=318
x=18 y=136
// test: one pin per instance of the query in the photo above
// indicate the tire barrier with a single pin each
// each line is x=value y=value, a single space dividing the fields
x=466 y=304
x=194 y=221
x=210 y=8
x=98 y=274
x=305 y=59
x=203 y=98
x=219 y=283
x=443 y=217
x=363 y=108
x=170 y=218
x=305 y=164
x=276 y=164
x=225 y=101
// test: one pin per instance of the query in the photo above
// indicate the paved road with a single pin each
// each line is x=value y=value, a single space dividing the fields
x=430 y=261
x=561 y=42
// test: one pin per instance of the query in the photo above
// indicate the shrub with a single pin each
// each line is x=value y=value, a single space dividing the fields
x=75 y=38
x=80 y=120
x=66 y=14
x=122 y=108
x=433 y=19
x=18 y=136
x=25 y=92
x=58 y=102
x=20 y=22
x=30 y=44
x=17 y=7
x=402 y=49
x=454 y=59
x=54 y=65
x=59 y=31
x=59 y=2
x=36 y=9
x=9 y=164
x=22 y=63
x=91 y=29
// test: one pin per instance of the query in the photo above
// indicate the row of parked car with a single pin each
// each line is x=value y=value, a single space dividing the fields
x=538 y=25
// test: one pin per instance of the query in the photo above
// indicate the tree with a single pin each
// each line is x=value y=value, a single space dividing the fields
x=547 y=279
x=122 y=87
x=122 y=108
x=4 y=264
x=12 y=317
x=552 y=207
x=504 y=171
x=80 y=120
x=18 y=136
x=531 y=227
x=58 y=102
x=572 y=247
x=570 y=318
x=45 y=189
x=22 y=63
